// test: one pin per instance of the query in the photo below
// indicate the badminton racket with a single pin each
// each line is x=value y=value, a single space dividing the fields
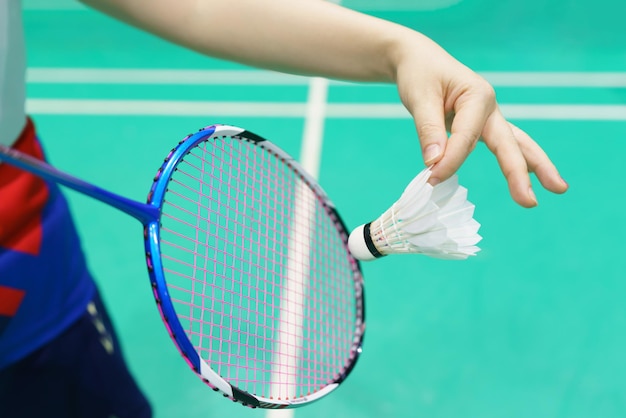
x=249 y=265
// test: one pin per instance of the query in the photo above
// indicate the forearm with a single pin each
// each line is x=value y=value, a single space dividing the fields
x=298 y=36
x=316 y=37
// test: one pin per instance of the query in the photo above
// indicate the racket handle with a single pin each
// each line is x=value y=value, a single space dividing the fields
x=141 y=211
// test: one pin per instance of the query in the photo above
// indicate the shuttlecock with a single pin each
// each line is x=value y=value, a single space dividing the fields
x=435 y=221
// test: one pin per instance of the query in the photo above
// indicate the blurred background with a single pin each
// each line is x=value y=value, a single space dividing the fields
x=535 y=325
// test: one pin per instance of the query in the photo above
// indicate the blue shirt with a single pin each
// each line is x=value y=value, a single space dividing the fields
x=44 y=281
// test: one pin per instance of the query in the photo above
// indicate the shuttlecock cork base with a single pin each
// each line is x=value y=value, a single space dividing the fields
x=361 y=244
x=434 y=221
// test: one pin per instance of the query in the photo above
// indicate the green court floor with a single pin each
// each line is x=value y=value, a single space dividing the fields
x=534 y=326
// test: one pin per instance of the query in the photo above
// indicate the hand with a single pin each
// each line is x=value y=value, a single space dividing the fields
x=445 y=96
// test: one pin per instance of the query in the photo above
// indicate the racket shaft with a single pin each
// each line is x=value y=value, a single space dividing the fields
x=141 y=211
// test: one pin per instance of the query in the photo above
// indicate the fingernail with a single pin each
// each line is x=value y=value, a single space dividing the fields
x=433 y=181
x=431 y=153
x=564 y=182
x=531 y=193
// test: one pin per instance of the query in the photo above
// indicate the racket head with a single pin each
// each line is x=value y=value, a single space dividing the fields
x=251 y=272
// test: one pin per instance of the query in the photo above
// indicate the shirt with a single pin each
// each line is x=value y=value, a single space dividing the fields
x=44 y=281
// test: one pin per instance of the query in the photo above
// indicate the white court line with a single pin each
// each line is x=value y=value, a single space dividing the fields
x=163 y=108
x=556 y=79
x=400 y=5
x=299 y=244
x=572 y=112
x=299 y=110
x=162 y=76
x=261 y=77
x=404 y=5
x=317 y=103
x=53 y=5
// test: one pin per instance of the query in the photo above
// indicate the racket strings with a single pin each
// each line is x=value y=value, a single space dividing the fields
x=197 y=243
x=238 y=226
x=323 y=245
x=241 y=224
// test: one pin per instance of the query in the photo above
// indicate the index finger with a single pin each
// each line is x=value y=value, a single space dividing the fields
x=467 y=126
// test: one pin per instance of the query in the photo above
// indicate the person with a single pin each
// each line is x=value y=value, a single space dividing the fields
x=59 y=355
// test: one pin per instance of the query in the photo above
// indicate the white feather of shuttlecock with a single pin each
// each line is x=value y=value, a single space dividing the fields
x=435 y=221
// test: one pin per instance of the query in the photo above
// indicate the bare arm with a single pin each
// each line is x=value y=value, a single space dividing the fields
x=319 y=38
x=295 y=36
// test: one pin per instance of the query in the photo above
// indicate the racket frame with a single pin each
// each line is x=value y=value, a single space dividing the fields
x=149 y=215
x=159 y=286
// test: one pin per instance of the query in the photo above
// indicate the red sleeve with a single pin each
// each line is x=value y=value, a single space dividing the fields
x=22 y=199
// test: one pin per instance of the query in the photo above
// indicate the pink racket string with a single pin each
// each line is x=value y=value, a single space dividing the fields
x=257 y=271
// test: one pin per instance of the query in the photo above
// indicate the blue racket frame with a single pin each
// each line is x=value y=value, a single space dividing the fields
x=149 y=215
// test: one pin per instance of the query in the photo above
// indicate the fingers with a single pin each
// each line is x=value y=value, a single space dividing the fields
x=431 y=128
x=467 y=127
x=466 y=124
x=469 y=111
x=501 y=141
x=516 y=152
x=539 y=163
